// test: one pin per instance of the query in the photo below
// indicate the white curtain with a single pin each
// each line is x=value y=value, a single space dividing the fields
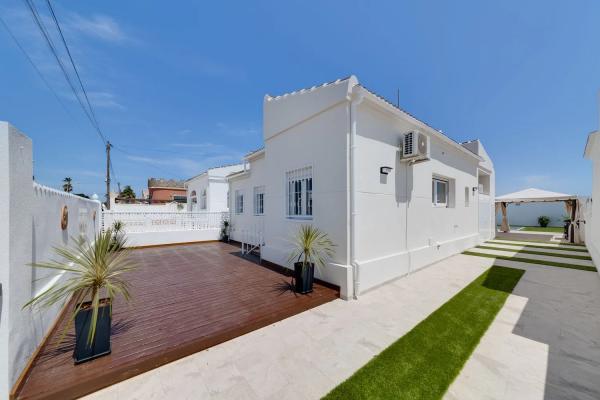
x=504 y=227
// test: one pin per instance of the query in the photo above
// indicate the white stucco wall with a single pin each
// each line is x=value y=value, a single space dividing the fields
x=245 y=184
x=526 y=214
x=32 y=213
x=167 y=207
x=319 y=141
x=399 y=229
x=592 y=225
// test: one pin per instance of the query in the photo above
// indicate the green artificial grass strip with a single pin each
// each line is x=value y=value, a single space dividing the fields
x=551 y=229
x=584 y=250
x=423 y=363
x=539 y=253
x=530 y=261
x=539 y=241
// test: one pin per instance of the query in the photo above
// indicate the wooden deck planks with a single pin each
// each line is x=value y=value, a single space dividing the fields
x=185 y=299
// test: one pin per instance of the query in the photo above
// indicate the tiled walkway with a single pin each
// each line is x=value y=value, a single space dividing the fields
x=307 y=355
x=544 y=344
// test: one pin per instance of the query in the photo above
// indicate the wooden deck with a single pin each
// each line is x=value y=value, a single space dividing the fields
x=186 y=298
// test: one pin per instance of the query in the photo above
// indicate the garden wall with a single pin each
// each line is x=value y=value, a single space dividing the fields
x=33 y=224
x=526 y=214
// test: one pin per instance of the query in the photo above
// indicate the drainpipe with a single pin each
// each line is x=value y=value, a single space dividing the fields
x=355 y=99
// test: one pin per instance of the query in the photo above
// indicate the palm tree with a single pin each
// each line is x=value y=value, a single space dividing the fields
x=127 y=193
x=67 y=185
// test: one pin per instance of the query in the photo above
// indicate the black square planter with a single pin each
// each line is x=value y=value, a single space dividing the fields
x=101 y=343
x=304 y=277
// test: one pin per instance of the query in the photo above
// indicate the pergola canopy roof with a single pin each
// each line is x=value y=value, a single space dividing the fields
x=534 y=195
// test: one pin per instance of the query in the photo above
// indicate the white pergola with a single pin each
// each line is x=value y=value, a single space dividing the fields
x=533 y=195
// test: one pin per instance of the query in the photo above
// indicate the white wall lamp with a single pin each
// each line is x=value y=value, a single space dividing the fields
x=385 y=170
x=475 y=188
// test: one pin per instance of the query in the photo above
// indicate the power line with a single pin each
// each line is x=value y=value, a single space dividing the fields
x=75 y=68
x=38 y=21
x=14 y=38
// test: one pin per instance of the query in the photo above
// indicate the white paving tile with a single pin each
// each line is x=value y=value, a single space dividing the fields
x=550 y=323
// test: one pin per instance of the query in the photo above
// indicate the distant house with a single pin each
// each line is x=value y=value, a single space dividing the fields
x=393 y=193
x=166 y=190
x=208 y=191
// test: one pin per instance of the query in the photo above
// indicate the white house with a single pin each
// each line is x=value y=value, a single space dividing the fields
x=592 y=219
x=207 y=192
x=333 y=158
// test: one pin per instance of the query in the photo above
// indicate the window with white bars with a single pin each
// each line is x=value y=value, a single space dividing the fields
x=239 y=202
x=299 y=193
x=259 y=200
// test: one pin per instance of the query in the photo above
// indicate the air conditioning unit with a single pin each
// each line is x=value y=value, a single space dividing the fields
x=415 y=146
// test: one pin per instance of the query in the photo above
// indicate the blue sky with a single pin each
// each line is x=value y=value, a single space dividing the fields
x=178 y=87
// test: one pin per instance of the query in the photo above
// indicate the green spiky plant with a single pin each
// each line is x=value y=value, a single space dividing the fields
x=95 y=269
x=118 y=241
x=311 y=245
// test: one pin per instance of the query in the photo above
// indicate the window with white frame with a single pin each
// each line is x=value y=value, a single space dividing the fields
x=299 y=193
x=467 y=196
x=203 y=200
x=439 y=192
x=259 y=200
x=239 y=202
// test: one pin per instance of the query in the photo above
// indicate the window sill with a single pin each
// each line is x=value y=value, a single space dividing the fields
x=299 y=217
x=440 y=206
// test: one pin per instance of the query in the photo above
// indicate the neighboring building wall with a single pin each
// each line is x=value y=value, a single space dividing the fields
x=526 y=214
x=31 y=215
x=215 y=183
x=592 y=223
x=165 y=195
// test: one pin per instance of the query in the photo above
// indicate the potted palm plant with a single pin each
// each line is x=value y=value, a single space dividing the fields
x=225 y=231
x=118 y=238
x=95 y=276
x=311 y=247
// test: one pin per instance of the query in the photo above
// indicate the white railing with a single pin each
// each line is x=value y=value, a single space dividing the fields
x=251 y=239
x=142 y=222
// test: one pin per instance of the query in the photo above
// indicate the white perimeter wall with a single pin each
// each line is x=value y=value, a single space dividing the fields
x=169 y=207
x=526 y=214
x=31 y=216
x=399 y=230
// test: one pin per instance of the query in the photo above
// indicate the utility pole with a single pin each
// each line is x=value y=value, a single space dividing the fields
x=119 y=186
x=108 y=146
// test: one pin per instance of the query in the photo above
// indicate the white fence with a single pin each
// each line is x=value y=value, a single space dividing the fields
x=155 y=228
